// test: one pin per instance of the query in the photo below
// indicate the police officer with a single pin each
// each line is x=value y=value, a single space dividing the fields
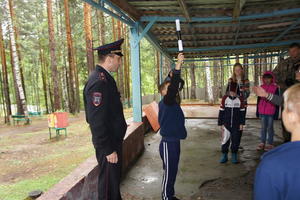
x=285 y=70
x=285 y=76
x=104 y=113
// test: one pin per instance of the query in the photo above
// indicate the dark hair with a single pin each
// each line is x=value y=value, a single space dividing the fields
x=102 y=57
x=267 y=76
x=293 y=45
x=163 y=85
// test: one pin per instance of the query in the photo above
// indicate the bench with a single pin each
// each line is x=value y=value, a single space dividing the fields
x=32 y=114
x=18 y=118
x=57 y=131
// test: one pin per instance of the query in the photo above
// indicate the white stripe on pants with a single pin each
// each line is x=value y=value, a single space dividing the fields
x=166 y=171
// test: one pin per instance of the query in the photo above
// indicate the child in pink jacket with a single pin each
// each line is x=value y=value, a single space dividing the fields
x=267 y=112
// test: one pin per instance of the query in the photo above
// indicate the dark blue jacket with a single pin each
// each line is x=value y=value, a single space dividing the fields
x=170 y=115
x=232 y=112
x=278 y=174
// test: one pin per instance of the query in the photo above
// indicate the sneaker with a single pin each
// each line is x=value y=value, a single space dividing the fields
x=269 y=147
x=260 y=147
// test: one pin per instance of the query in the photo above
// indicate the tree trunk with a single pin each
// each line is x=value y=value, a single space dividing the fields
x=237 y=58
x=2 y=101
x=246 y=66
x=264 y=63
x=5 y=77
x=52 y=46
x=74 y=96
x=101 y=27
x=44 y=79
x=114 y=37
x=63 y=69
x=187 y=84
x=256 y=72
x=77 y=86
x=126 y=62
x=215 y=81
x=205 y=85
x=16 y=34
x=157 y=68
x=120 y=70
x=271 y=65
x=20 y=95
x=193 y=81
x=88 y=37
x=209 y=83
x=222 y=79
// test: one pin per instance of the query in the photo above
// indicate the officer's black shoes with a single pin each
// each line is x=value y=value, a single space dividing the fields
x=175 y=198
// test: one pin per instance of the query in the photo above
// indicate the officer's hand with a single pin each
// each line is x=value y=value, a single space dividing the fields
x=222 y=127
x=298 y=74
x=259 y=91
x=241 y=127
x=112 y=158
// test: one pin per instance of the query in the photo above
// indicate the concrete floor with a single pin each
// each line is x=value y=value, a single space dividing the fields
x=200 y=175
x=208 y=112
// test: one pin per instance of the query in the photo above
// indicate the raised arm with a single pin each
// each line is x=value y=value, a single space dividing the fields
x=170 y=97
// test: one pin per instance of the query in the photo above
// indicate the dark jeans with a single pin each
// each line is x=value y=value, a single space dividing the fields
x=109 y=176
x=267 y=128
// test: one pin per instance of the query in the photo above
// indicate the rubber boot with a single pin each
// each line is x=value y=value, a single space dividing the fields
x=234 y=158
x=224 y=158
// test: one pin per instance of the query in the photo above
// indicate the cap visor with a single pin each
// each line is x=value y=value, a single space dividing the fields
x=119 y=54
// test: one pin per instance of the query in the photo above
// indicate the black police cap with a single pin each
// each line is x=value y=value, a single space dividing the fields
x=111 y=48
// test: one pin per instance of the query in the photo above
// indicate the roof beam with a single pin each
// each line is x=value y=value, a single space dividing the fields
x=146 y=29
x=238 y=8
x=188 y=17
x=283 y=22
x=224 y=18
x=163 y=36
x=231 y=47
x=222 y=41
x=281 y=35
x=126 y=7
x=232 y=58
x=120 y=15
x=184 y=9
x=129 y=22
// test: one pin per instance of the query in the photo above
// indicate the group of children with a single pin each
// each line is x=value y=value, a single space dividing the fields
x=233 y=113
x=231 y=118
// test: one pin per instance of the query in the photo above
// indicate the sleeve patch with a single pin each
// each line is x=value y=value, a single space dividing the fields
x=97 y=98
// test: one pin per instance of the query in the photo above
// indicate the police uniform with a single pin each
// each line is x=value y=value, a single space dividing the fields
x=285 y=77
x=104 y=113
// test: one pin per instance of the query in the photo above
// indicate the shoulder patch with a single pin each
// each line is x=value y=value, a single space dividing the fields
x=102 y=76
x=97 y=98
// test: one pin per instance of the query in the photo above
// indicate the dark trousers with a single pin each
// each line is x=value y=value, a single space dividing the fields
x=109 y=176
x=170 y=154
x=234 y=140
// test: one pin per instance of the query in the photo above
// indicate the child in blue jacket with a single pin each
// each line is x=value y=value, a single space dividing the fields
x=172 y=130
x=232 y=120
x=278 y=174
